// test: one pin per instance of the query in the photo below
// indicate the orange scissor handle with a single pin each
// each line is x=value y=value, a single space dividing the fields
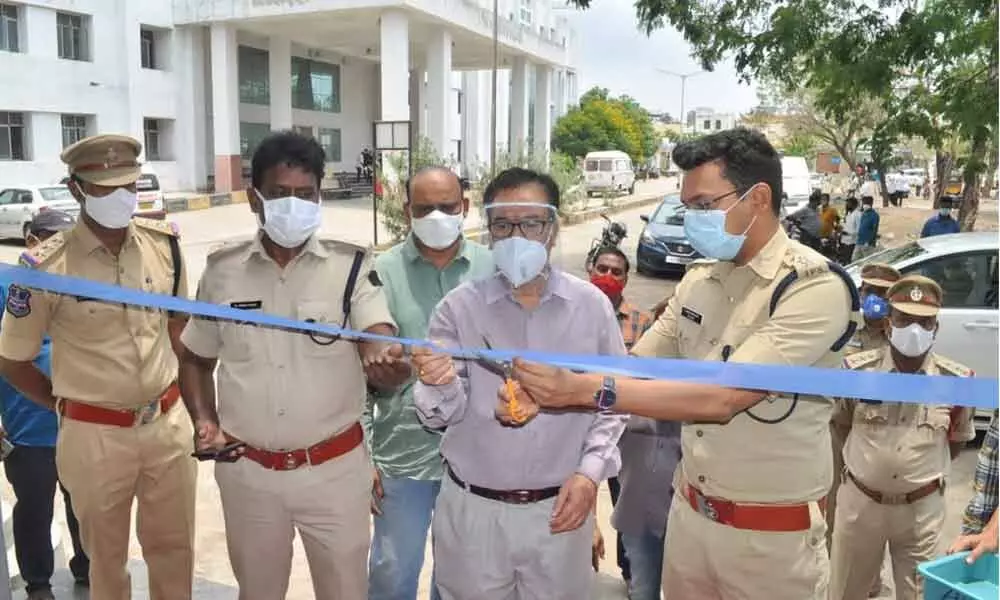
x=516 y=414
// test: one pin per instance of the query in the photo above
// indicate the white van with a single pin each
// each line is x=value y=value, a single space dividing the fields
x=608 y=171
x=795 y=183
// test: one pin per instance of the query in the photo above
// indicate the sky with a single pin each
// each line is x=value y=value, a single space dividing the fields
x=613 y=53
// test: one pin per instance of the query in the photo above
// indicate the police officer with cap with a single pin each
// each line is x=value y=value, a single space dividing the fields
x=897 y=454
x=122 y=436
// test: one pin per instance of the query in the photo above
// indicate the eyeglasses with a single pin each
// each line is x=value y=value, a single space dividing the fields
x=532 y=229
x=605 y=269
x=698 y=204
x=451 y=208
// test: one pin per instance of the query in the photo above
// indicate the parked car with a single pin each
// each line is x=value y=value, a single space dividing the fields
x=20 y=203
x=965 y=266
x=663 y=248
x=609 y=171
x=914 y=177
x=795 y=183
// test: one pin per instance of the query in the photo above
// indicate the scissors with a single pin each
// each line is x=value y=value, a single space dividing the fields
x=505 y=369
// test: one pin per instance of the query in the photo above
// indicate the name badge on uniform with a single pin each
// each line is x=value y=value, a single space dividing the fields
x=691 y=315
x=247 y=304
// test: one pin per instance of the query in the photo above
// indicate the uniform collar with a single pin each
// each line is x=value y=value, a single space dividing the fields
x=929 y=367
x=91 y=243
x=256 y=248
x=412 y=254
x=497 y=287
x=771 y=256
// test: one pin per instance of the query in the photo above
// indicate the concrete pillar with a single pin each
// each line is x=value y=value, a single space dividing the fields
x=439 y=92
x=394 y=66
x=190 y=137
x=543 y=112
x=418 y=102
x=226 y=108
x=519 y=106
x=279 y=52
x=473 y=120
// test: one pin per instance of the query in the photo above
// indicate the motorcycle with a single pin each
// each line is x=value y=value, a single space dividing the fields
x=611 y=236
x=828 y=246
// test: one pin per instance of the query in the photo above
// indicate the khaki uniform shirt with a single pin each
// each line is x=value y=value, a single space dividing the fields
x=104 y=354
x=280 y=390
x=865 y=339
x=721 y=308
x=897 y=447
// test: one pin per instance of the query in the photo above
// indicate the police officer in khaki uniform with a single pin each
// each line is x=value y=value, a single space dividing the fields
x=290 y=402
x=897 y=454
x=113 y=376
x=876 y=279
x=747 y=519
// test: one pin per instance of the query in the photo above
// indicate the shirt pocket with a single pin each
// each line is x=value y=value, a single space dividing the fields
x=934 y=418
x=93 y=320
x=237 y=337
x=872 y=413
x=318 y=345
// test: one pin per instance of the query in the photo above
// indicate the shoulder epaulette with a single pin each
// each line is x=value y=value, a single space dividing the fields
x=42 y=252
x=224 y=248
x=805 y=265
x=862 y=359
x=950 y=367
x=163 y=227
x=336 y=245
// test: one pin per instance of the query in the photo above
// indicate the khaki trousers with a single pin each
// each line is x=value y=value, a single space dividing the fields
x=704 y=560
x=863 y=529
x=329 y=506
x=104 y=467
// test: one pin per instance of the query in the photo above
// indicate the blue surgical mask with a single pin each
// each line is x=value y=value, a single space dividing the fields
x=874 y=307
x=944 y=212
x=519 y=259
x=706 y=230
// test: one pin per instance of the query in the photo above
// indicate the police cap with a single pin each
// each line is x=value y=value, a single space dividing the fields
x=106 y=160
x=916 y=295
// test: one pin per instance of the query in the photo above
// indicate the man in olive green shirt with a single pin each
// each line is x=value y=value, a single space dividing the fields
x=416 y=274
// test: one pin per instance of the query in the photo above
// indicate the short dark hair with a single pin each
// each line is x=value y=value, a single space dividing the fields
x=603 y=250
x=516 y=177
x=867 y=200
x=746 y=158
x=948 y=199
x=432 y=169
x=287 y=148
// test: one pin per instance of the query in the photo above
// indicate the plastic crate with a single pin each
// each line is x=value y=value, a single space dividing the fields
x=951 y=578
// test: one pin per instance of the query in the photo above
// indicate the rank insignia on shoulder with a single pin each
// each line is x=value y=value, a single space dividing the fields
x=374 y=279
x=18 y=301
x=861 y=359
x=950 y=367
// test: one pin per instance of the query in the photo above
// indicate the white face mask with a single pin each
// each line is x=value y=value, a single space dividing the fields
x=289 y=221
x=112 y=211
x=438 y=230
x=912 y=340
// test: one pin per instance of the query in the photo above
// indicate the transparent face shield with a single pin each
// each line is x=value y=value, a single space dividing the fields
x=535 y=221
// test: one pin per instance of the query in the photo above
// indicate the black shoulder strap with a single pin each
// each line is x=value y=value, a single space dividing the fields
x=792 y=277
x=352 y=281
x=175 y=258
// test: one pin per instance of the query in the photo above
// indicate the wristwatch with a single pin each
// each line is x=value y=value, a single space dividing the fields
x=606 y=397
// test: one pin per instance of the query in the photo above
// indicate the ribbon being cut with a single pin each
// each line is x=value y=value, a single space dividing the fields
x=887 y=387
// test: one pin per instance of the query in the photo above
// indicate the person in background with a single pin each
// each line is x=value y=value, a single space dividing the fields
x=31 y=465
x=867 y=229
x=808 y=219
x=980 y=527
x=416 y=274
x=897 y=455
x=610 y=274
x=828 y=217
x=942 y=223
x=849 y=234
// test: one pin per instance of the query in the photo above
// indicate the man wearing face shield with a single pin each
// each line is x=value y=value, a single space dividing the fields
x=285 y=431
x=114 y=377
x=513 y=519
x=756 y=465
x=416 y=274
x=897 y=454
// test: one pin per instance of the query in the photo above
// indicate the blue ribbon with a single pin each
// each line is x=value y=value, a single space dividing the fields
x=888 y=387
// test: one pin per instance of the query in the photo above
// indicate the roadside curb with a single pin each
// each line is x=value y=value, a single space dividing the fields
x=204 y=201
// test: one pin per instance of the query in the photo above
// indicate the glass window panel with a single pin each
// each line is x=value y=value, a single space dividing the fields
x=253 y=76
x=330 y=140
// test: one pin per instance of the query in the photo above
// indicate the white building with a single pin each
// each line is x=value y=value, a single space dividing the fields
x=707 y=120
x=201 y=81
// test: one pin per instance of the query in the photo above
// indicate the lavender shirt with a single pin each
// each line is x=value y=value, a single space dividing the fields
x=572 y=317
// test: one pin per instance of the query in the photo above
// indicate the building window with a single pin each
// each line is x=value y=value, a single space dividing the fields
x=526 y=12
x=459 y=99
x=147 y=41
x=707 y=125
x=72 y=36
x=303 y=130
x=8 y=28
x=718 y=124
x=12 y=136
x=251 y=134
x=253 y=75
x=151 y=132
x=74 y=129
x=330 y=140
x=315 y=85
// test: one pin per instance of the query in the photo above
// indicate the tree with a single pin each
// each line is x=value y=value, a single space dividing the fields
x=601 y=122
x=931 y=67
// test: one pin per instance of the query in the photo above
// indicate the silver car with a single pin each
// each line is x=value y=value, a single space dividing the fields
x=20 y=203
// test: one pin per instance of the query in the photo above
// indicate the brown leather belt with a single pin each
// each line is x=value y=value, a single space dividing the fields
x=508 y=496
x=317 y=454
x=755 y=517
x=90 y=413
x=891 y=499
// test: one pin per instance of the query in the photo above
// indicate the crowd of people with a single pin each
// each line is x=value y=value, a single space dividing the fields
x=499 y=461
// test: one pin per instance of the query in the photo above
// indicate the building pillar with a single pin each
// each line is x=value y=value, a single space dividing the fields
x=279 y=56
x=473 y=121
x=543 y=112
x=418 y=102
x=226 y=108
x=519 y=106
x=190 y=136
x=439 y=91
x=394 y=75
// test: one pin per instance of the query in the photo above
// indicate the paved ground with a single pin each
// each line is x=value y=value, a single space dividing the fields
x=203 y=229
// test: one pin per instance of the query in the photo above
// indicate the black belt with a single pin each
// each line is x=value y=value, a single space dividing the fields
x=508 y=496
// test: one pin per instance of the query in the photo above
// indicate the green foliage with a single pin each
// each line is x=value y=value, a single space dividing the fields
x=800 y=144
x=391 y=203
x=564 y=169
x=601 y=122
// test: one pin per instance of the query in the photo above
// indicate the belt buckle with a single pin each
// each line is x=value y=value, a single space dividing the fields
x=521 y=496
x=291 y=461
x=894 y=499
x=705 y=507
x=146 y=414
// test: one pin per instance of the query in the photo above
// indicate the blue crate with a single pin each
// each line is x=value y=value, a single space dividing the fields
x=951 y=578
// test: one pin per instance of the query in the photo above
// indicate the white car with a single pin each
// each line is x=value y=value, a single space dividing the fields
x=915 y=177
x=965 y=266
x=20 y=203
x=150 y=196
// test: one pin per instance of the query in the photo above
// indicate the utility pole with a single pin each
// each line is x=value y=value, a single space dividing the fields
x=493 y=94
x=683 y=77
